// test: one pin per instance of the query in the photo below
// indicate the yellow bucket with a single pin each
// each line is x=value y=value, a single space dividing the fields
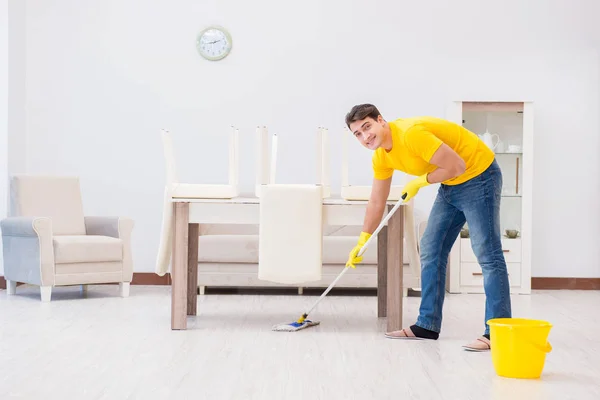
x=519 y=346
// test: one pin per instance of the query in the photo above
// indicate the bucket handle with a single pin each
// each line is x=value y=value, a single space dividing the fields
x=547 y=348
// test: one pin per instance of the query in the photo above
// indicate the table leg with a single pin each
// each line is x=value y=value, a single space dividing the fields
x=192 y=269
x=382 y=272
x=179 y=269
x=395 y=248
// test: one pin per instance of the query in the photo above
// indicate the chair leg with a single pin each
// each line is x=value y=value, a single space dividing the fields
x=300 y=290
x=46 y=293
x=11 y=287
x=124 y=289
x=84 y=289
x=202 y=290
x=405 y=292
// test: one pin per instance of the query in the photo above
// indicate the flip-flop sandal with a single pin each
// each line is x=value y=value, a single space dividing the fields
x=479 y=345
x=403 y=334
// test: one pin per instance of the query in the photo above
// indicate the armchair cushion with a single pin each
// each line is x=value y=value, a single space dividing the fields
x=86 y=248
x=114 y=227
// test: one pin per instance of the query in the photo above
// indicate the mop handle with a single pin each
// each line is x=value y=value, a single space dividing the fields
x=380 y=227
x=328 y=289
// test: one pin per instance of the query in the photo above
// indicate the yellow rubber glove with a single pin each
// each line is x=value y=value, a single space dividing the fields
x=412 y=187
x=353 y=257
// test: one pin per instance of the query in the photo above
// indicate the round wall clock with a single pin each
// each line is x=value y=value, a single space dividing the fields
x=214 y=43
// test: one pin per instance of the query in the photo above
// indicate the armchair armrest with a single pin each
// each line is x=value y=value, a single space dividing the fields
x=28 y=250
x=24 y=226
x=117 y=227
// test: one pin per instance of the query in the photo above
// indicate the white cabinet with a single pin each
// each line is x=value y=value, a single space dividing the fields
x=508 y=126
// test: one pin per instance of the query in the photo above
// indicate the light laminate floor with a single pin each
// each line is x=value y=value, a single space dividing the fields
x=102 y=346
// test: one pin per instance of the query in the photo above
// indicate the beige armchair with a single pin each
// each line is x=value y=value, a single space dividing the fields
x=49 y=242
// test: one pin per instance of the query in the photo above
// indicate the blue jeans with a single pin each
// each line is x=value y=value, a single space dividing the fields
x=477 y=202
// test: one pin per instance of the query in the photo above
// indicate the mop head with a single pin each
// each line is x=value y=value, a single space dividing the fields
x=295 y=326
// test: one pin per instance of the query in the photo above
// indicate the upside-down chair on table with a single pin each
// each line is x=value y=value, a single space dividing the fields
x=178 y=190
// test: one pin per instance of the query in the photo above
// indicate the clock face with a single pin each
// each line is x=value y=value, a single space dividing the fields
x=214 y=43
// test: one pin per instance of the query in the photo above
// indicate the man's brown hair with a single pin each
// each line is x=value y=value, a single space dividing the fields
x=362 y=111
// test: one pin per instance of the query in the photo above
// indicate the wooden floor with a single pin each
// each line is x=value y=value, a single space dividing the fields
x=105 y=347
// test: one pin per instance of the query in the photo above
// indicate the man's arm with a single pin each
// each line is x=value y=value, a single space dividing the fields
x=431 y=149
x=376 y=206
x=449 y=163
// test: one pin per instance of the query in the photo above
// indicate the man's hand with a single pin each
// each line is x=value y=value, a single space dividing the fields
x=412 y=187
x=449 y=164
x=353 y=257
x=375 y=207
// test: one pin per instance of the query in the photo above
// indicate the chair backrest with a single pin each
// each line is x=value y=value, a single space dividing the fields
x=56 y=197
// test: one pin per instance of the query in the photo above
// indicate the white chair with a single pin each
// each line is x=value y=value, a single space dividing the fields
x=180 y=190
x=177 y=190
x=48 y=241
x=266 y=160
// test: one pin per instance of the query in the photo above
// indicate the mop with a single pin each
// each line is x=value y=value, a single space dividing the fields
x=303 y=322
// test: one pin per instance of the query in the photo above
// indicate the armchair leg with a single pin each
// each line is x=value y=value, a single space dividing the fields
x=46 y=293
x=84 y=289
x=124 y=289
x=11 y=287
x=405 y=292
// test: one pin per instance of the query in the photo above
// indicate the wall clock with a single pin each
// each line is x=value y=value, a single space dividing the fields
x=214 y=43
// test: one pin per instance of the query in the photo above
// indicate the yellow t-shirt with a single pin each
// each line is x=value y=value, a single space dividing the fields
x=415 y=140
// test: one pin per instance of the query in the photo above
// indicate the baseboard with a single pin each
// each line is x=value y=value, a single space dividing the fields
x=139 y=278
x=3 y=283
x=150 y=278
x=565 y=283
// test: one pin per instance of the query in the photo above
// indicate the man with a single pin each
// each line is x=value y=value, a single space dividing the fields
x=438 y=151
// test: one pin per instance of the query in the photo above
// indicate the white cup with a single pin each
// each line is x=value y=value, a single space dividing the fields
x=513 y=148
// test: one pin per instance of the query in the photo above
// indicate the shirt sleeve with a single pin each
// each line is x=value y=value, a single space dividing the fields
x=380 y=169
x=422 y=142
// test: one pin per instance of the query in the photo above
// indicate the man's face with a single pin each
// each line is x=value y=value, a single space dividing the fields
x=369 y=132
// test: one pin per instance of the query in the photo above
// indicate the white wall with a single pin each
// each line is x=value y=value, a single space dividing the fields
x=3 y=115
x=17 y=107
x=102 y=77
x=13 y=131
